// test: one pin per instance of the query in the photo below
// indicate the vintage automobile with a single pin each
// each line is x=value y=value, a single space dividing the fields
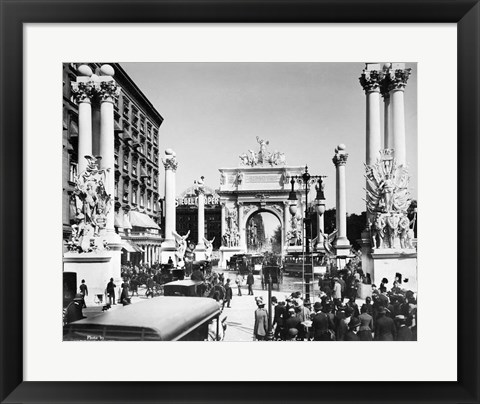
x=159 y=319
x=185 y=287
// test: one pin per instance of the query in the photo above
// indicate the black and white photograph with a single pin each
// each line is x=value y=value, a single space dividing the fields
x=240 y=202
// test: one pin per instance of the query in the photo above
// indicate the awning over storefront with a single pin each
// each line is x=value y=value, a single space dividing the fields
x=138 y=219
x=131 y=247
x=121 y=220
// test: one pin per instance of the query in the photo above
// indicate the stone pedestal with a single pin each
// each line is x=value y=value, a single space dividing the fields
x=226 y=253
x=200 y=253
x=96 y=268
x=385 y=263
x=167 y=250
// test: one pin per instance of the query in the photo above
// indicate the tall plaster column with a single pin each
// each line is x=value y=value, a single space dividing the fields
x=108 y=92
x=370 y=81
x=200 y=192
x=241 y=226
x=286 y=223
x=170 y=163
x=340 y=160
x=222 y=218
x=95 y=129
x=387 y=132
x=83 y=91
x=398 y=77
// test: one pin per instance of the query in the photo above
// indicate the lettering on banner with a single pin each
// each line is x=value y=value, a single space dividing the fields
x=263 y=178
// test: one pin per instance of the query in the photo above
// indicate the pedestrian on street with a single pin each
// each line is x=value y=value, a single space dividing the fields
x=384 y=326
x=228 y=293
x=124 y=299
x=84 y=292
x=111 y=292
x=74 y=310
x=150 y=285
x=320 y=324
x=404 y=332
x=337 y=292
x=292 y=323
x=250 y=282
x=353 y=326
x=260 y=327
x=366 y=325
x=239 y=282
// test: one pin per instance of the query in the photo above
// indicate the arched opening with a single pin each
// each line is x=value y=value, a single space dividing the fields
x=263 y=233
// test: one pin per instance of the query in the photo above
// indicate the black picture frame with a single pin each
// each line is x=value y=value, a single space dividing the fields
x=465 y=13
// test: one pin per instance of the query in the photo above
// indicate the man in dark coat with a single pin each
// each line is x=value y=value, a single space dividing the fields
x=250 y=282
x=74 y=311
x=111 y=291
x=353 y=326
x=384 y=326
x=228 y=293
x=292 y=321
x=404 y=333
x=279 y=318
x=321 y=324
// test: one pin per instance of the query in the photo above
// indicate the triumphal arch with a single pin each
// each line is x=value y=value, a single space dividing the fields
x=259 y=183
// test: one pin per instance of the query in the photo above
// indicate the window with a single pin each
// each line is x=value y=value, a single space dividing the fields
x=73 y=171
x=116 y=160
x=116 y=189
x=134 y=116
x=142 y=199
x=149 y=202
x=149 y=130
x=125 y=164
x=134 y=195
x=142 y=123
x=134 y=167
x=126 y=107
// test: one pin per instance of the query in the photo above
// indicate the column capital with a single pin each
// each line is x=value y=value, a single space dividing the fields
x=371 y=80
x=396 y=79
x=170 y=161
x=108 y=91
x=83 y=91
x=340 y=157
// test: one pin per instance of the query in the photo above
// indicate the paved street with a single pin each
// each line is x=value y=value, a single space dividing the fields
x=240 y=316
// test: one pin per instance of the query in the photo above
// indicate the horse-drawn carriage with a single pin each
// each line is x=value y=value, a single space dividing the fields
x=271 y=273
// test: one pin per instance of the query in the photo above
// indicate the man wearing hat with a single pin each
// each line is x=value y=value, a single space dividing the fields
x=321 y=323
x=353 y=326
x=384 y=326
x=337 y=291
x=404 y=333
x=292 y=321
x=260 y=327
x=74 y=312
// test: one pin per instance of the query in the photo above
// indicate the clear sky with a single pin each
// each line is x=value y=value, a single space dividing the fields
x=213 y=112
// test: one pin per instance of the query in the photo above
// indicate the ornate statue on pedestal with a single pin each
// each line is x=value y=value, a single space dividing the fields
x=208 y=248
x=388 y=200
x=263 y=157
x=92 y=204
x=181 y=243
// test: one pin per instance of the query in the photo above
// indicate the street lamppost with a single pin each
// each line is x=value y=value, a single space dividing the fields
x=306 y=179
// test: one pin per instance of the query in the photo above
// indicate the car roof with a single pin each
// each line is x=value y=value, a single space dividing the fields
x=171 y=317
x=185 y=282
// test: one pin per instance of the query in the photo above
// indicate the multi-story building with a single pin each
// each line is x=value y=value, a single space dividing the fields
x=137 y=160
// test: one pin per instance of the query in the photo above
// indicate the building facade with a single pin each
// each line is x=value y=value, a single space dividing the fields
x=137 y=145
x=187 y=216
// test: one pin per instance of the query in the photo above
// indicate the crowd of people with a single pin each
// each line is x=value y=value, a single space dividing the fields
x=385 y=316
